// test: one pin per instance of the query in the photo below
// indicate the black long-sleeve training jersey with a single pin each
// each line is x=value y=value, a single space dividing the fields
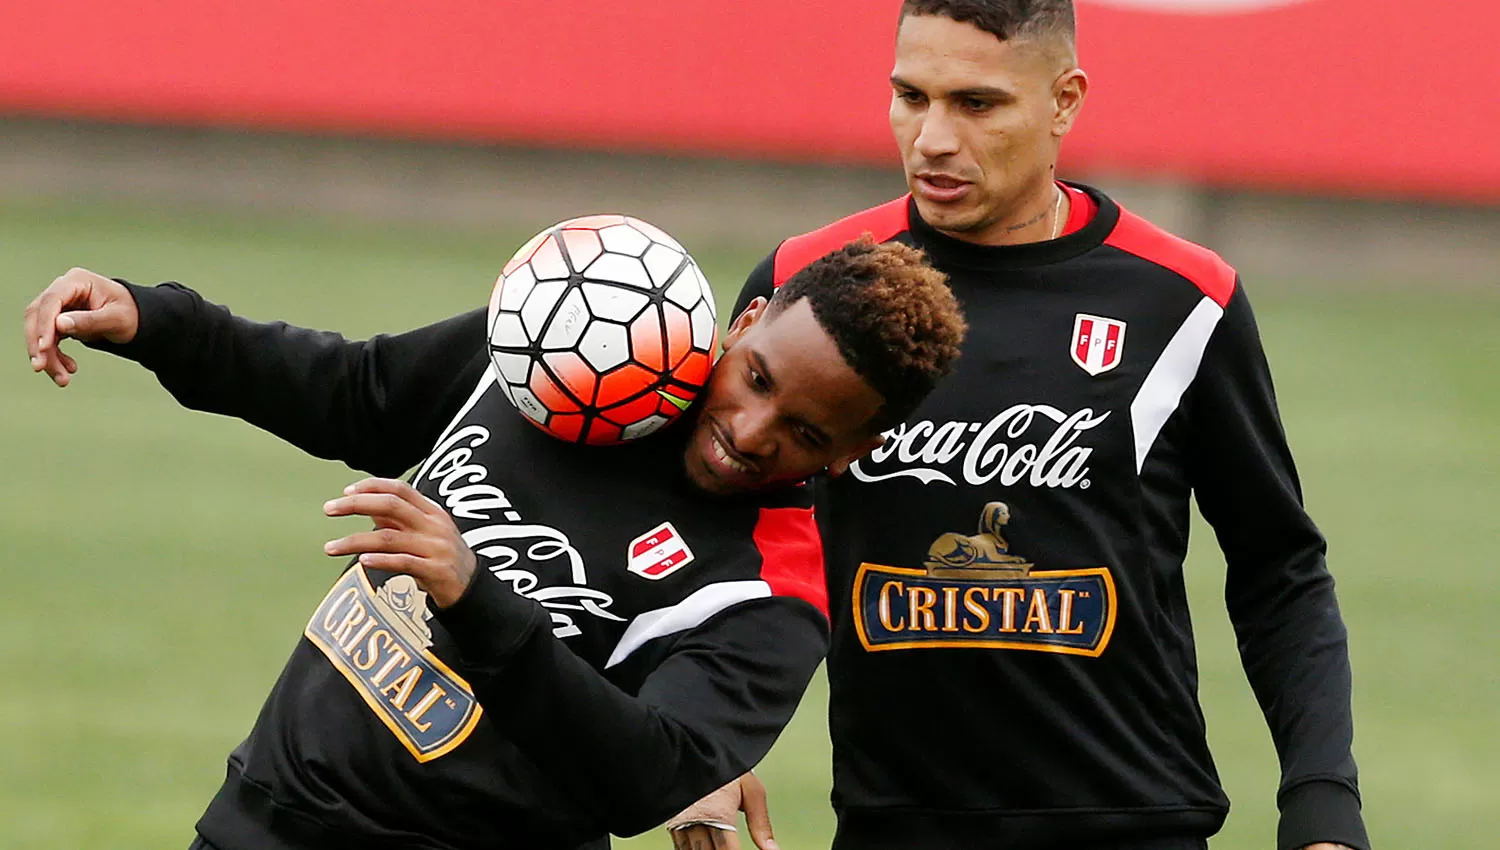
x=1012 y=663
x=627 y=645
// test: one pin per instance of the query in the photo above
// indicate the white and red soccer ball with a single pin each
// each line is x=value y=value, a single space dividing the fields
x=602 y=329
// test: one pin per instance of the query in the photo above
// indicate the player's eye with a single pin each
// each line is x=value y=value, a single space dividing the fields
x=808 y=436
x=759 y=382
x=911 y=98
x=974 y=104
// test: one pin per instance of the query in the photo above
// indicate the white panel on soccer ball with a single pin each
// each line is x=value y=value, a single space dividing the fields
x=547 y=263
x=516 y=286
x=508 y=331
x=613 y=302
x=685 y=291
x=661 y=261
x=514 y=368
x=708 y=292
x=643 y=427
x=656 y=233
x=583 y=246
x=568 y=323
x=703 y=327
x=529 y=405
x=619 y=268
x=539 y=305
x=624 y=239
x=510 y=393
x=605 y=345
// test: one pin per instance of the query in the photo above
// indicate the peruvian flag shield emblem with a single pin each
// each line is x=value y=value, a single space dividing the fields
x=1098 y=343
x=658 y=553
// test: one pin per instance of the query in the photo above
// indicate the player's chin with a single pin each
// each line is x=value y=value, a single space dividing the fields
x=955 y=217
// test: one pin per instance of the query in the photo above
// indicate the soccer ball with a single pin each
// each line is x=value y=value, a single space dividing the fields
x=602 y=329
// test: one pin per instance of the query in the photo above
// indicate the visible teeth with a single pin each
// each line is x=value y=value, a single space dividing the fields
x=724 y=458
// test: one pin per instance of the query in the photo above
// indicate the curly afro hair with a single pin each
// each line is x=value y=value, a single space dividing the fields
x=892 y=316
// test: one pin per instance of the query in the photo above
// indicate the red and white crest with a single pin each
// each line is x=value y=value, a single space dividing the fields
x=658 y=553
x=1098 y=343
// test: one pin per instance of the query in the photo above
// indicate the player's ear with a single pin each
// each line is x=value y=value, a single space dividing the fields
x=840 y=466
x=753 y=312
x=1068 y=93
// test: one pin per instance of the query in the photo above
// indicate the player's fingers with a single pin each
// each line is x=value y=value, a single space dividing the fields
x=400 y=489
x=757 y=812
x=53 y=301
x=702 y=836
x=90 y=325
x=29 y=330
x=384 y=508
x=387 y=540
x=56 y=370
x=396 y=562
x=68 y=363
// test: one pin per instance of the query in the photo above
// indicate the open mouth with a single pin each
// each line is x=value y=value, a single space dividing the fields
x=941 y=187
x=727 y=456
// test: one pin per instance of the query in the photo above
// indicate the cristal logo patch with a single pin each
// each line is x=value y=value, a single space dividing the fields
x=658 y=553
x=974 y=593
x=428 y=707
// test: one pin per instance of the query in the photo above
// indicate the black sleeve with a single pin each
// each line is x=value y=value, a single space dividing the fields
x=760 y=284
x=1280 y=594
x=377 y=405
x=704 y=716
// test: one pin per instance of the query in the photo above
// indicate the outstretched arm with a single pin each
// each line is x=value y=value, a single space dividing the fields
x=376 y=404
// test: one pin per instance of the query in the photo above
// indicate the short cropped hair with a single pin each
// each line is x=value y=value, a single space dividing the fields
x=1004 y=19
x=892 y=316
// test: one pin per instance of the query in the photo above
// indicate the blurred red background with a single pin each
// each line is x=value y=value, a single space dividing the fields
x=1361 y=97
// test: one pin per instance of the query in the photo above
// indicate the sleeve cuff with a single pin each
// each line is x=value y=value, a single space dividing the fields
x=490 y=622
x=1320 y=811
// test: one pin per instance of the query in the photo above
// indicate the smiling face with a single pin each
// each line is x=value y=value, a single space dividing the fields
x=979 y=122
x=782 y=404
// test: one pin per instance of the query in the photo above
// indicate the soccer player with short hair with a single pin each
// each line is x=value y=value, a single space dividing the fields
x=501 y=666
x=1012 y=662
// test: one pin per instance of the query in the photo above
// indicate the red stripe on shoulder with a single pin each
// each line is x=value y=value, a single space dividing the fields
x=791 y=553
x=882 y=223
x=1203 y=267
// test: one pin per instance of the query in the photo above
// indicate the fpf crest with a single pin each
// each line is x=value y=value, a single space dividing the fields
x=1098 y=343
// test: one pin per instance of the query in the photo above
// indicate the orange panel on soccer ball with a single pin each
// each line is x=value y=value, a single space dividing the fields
x=603 y=433
x=646 y=341
x=550 y=394
x=578 y=376
x=568 y=426
x=525 y=253
x=635 y=410
x=623 y=383
x=679 y=333
x=694 y=370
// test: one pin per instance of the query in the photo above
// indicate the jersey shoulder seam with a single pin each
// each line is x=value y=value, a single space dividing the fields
x=882 y=222
x=1202 y=267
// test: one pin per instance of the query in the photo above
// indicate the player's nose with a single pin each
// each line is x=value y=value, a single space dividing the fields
x=753 y=430
x=937 y=136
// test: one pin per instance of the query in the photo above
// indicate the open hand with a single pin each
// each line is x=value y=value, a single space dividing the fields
x=81 y=305
x=709 y=823
x=413 y=536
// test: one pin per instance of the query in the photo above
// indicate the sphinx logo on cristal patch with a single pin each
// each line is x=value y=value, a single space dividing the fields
x=379 y=642
x=973 y=593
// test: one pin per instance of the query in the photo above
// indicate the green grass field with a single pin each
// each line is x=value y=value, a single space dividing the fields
x=159 y=564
